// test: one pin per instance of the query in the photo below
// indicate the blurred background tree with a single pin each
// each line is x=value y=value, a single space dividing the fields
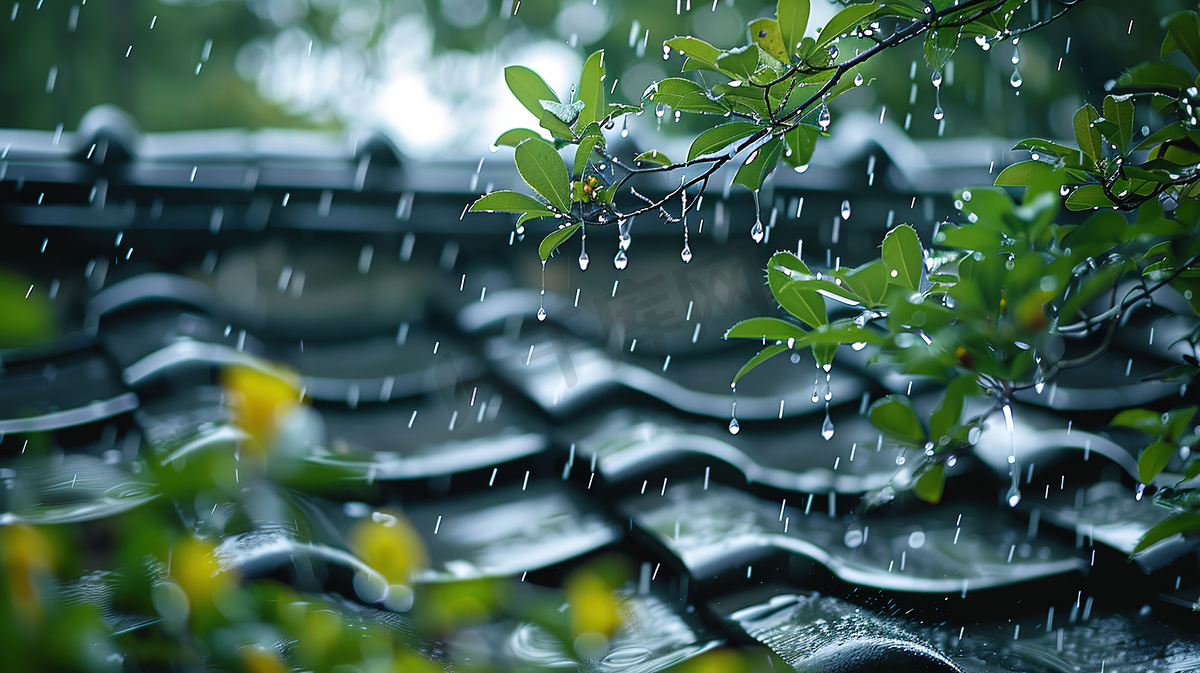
x=422 y=69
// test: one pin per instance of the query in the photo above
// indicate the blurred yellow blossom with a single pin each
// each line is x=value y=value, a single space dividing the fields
x=388 y=543
x=593 y=604
x=258 y=399
x=26 y=558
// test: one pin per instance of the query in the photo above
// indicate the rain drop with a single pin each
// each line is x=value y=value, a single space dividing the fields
x=827 y=426
x=621 y=260
x=583 y=260
x=823 y=118
x=858 y=79
x=936 y=79
x=845 y=209
x=734 y=428
x=1014 y=496
x=757 y=232
x=1016 y=80
x=541 y=314
x=939 y=113
x=686 y=253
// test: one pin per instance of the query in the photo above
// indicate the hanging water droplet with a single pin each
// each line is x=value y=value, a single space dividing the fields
x=621 y=260
x=791 y=342
x=1141 y=489
x=1014 y=496
x=823 y=119
x=686 y=253
x=541 y=313
x=936 y=78
x=858 y=79
x=660 y=109
x=827 y=426
x=1016 y=56
x=1010 y=263
x=757 y=232
x=939 y=113
x=734 y=428
x=845 y=209
x=583 y=260
x=951 y=461
x=1039 y=380
x=1016 y=80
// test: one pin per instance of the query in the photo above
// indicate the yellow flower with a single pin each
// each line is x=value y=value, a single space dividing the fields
x=593 y=604
x=26 y=556
x=388 y=543
x=195 y=569
x=258 y=399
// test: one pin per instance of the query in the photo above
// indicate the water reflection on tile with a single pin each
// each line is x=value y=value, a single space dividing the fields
x=820 y=633
x=564 y=377
x=509 y=530
x=630 y=444
x=653 y=635
x=974 y=546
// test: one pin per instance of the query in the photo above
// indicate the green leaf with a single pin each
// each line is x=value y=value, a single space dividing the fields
x=1180 y=523
x=902 y=256
x=940 y=44
x=684 y=95
x=514 y=137
x=1143 y=420
x=948 y=412
x=1094 y=285
x=591 y=89
x=1158 y=76
x=583 y=153
x=653 y=157
x=1152 y=461
x=869 y=281
x=557 y=238
x=507 y=202
x=806 y=305
x=772 y=329
x=741 y=63
x=616 y=110
x=894 y=416
x=763 y=355
x=1183 y=34
x=557 y=127
x=695 y=50
x=1119 y=110
x=1086 y=135
x=529 y=88
x=801 y=143
x=1178 y=421
x=542 y=169
x=719 y=137
x=843 y=21
x=793 y=20
x=1088 y=196
x=929 y=486
x=1069 y=155
x=1038 y=176
x=758 y=165
x=765 y=33
x=823 y=354
x=534 y=215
